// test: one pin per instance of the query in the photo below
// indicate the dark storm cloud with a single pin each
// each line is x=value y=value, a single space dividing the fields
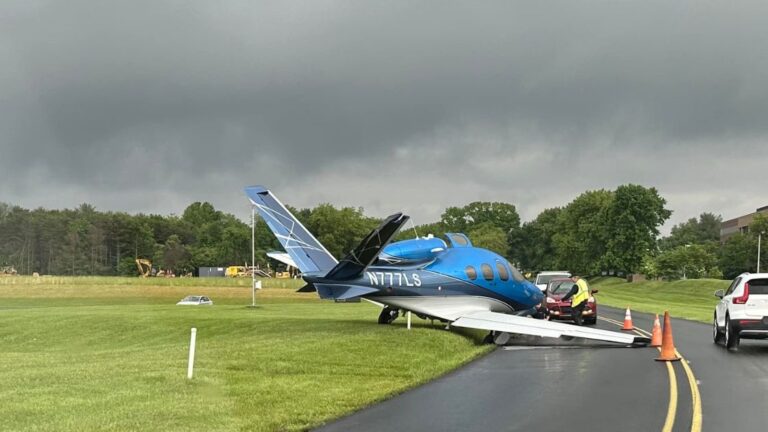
x=149 y=106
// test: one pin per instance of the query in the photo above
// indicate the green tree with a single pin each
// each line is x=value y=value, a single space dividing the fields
x=198 y=214
x=488 y=236
x=581 y=238
x=532 y=246
x=462 y=219
x=688 y=262
x=174 y=255
x=705 y=229
x=632 y=220
x=738 y=255
x=339 y=230
x=437 y=229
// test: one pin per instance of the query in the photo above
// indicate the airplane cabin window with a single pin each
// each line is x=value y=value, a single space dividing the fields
x=471 y=272
x=503 y=273
x=487 y=271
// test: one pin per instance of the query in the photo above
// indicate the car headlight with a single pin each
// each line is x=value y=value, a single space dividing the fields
x=551 y=300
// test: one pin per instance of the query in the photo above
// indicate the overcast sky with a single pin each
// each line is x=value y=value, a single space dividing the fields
x=413 y=106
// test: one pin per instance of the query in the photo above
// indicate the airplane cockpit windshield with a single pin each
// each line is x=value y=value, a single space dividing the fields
x=516 y=275
x=458 y=240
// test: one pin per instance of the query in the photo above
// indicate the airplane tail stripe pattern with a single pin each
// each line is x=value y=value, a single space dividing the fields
x=308 y=254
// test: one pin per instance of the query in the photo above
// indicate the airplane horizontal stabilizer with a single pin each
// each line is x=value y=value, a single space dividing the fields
x=307 y=288
x=495 y=321
x=342 y=292
x=368 y=249
x=283 y=257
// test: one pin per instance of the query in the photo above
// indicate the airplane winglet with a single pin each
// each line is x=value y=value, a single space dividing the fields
x=368 y=249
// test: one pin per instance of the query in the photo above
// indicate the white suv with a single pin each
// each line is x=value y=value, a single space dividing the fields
x=742 y=311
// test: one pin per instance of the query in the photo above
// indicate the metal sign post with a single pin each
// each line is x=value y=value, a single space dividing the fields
x=253 y=256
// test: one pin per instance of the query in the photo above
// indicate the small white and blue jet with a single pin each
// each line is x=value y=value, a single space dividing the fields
x=448 y=280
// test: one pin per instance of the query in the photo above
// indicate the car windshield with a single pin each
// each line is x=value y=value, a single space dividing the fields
x=191 y=298
x=560 y=288
x=544 y=279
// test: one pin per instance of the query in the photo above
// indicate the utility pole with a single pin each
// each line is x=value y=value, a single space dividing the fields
x=759 y=237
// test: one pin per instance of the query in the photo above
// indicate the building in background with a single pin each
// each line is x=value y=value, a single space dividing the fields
x=211 y=271
x=739 y=225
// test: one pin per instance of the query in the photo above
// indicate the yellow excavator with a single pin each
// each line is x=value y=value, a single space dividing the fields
x=145 y=267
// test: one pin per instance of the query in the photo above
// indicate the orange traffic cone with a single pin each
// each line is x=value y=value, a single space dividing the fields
x=628 y=321
x=656 y=334
x=667 y=343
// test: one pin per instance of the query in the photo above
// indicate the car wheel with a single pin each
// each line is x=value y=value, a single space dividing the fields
x=591 y=321
x=731 y=337
x=717 y=335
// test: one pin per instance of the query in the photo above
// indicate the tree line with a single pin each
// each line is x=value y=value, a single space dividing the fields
x=599 y=231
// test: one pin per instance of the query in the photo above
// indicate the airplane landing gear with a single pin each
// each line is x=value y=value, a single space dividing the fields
x=388 y=315
x=488 y=339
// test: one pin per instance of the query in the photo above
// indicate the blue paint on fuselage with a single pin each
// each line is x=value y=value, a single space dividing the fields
x=418 y=249
x=447 y=275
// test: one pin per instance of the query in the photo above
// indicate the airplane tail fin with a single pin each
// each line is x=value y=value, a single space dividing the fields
x=303 y=248
x=368 y=249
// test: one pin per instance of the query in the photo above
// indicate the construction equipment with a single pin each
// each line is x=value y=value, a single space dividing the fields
x=244 y=271
x=145 y=267
x=236 y=271
x=8 y=271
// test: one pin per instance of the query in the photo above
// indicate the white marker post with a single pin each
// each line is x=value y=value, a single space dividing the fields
x=191 y=353
x=409 y=320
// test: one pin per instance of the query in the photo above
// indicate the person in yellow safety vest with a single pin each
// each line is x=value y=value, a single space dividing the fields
x=579 y=295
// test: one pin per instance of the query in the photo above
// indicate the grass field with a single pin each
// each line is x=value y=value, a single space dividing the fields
x=691 y=299
x=91 y=354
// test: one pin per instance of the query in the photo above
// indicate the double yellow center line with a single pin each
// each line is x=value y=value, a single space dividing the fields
x=673 y=395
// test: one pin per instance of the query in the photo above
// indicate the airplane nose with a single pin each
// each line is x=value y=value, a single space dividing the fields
x=534 y=292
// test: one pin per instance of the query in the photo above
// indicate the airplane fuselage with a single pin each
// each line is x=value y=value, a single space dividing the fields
x=454 y=278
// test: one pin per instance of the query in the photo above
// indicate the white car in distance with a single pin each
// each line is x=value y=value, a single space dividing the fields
x=195 y=301
x=543 y=278
x=742 y=312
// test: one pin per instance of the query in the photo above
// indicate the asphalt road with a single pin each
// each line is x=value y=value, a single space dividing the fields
x=546 y=385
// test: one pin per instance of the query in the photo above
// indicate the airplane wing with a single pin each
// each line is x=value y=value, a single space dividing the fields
x=495 y=321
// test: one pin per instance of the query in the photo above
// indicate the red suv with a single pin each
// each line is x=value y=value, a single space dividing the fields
x=559 y=309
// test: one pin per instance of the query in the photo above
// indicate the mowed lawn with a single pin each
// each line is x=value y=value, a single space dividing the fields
x=691 y=299
x=91 y=354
